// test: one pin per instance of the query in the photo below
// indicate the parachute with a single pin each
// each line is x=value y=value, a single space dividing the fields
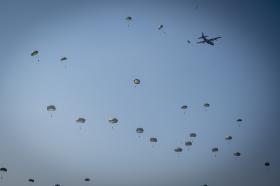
x=63 y=60
x=35 y=53
x=228 y=138
x=31 y=180
x=128 y=19
x=113 y=121
x=184 y=108
x=237 y=154
x=239 y=120
x=3 y=171
x=139 y=131
x=188 y=144
x=215 y=150
x=51 y=109
x=153 y=141
x=161 y=28
x=87 y=179
x=267 y=164
x=136 y=82
x=81 y=121
x=206 y=106
x=178 y=150
x=193 y=135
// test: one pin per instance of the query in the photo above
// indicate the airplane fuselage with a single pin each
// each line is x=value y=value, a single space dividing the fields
x=207 y=41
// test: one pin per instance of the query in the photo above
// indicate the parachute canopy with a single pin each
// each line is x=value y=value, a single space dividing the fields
x=192 y=135
x=128 y=18
x=81 y=120
x=113 y=120
x=228 y=138
x=178 y=149
x=184 y=107
x=237 y=154
x=34 y=53
x=87 y=179
x=153 y=140
x=215 y=149
x=63 y=59
x=136 y=81
x=188 y=143
x=3 y=169
x=140 y=130
x=51 y=108
x=206 y=105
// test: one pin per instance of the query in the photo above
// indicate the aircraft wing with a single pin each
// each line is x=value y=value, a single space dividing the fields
x=215 y=38
x=201 y=42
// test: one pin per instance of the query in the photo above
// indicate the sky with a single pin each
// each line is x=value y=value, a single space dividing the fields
x=238 y=76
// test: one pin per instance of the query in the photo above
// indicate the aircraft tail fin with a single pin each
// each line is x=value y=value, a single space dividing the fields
x=202 y=36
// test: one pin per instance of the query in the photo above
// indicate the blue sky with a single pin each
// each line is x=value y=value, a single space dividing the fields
x=239 y=77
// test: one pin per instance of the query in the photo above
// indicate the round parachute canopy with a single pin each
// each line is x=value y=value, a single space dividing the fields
x=136 y=81
x=184 y=107
x=153 y=140
x=178 y=149
x=34 y=53
x=215 y=149
x=267 y=164
x=160 y=27
x=206 y=105
x=51 y=108
x=3 y=169
x=87 y=179
x=237 y=154
x=113 y=120
x=239 y=120
x=31 y=180
x=63 y=59
x=81 y=120
x=139 y=130
x=188 y=143
x=192 y=135
x=128 y=18
x=228 y=138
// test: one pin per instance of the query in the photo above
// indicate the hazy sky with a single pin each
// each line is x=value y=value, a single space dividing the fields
x=239 y=77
